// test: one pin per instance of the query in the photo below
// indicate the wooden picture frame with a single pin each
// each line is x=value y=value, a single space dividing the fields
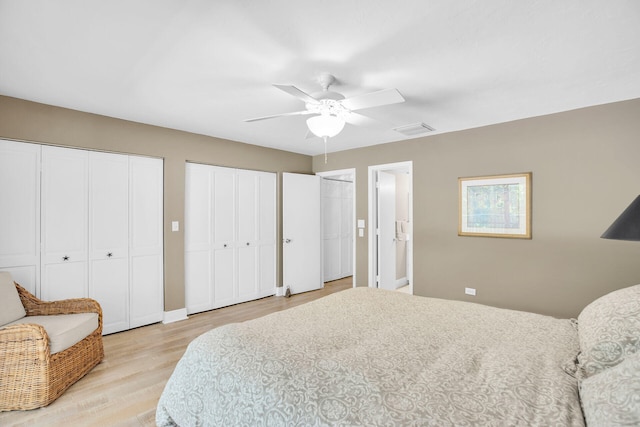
x=495 y=206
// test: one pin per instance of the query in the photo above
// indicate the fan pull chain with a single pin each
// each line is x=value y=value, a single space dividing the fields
x=325 y=149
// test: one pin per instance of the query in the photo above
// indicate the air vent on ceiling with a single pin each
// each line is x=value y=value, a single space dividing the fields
x=414 y=129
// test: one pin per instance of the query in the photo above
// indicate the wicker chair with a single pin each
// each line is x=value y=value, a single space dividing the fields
x=32 y=377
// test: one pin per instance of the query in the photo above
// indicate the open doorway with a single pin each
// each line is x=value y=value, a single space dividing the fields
x=390 y=230
x=338 y=225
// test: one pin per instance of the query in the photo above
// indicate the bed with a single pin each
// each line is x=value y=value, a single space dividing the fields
x=373 y=357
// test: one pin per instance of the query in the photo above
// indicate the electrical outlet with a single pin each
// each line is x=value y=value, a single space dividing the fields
x=470 y=291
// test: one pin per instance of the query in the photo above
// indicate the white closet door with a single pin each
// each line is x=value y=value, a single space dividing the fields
x=331 y=218
x=346 y=230
x=266 y=234
x=64 y=223
x=20 y=213
x=109 y=238
x=247 y=248
x=198 y=238
x=146 y=290
x=224 y=236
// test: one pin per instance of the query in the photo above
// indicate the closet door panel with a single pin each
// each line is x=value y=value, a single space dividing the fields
x=266 y=264
x=64 y=204
x=146 y=290
x=346 y=230
x=247 y=272
x=198 y=204
x=224 y=205
x=109 y=205
x=198 y=238
x=198 y=281
x=247 y=234
x=224 y=279
x=20 y=217
x=331 y=229
x=64 y=223
x=331 y=259
x=109 y=280
x=267 y=208
x=247 y=207
x=224 y=236
x=64 y=281
x=26 y=276
x=267 y=271
x=109 y=238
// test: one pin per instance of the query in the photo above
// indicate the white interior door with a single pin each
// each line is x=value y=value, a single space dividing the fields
x=386 y=230
x=301 y=232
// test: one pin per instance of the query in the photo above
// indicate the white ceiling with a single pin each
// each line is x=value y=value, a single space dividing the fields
x=204 y=66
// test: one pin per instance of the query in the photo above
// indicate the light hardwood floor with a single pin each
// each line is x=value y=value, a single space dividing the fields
x=124 y=388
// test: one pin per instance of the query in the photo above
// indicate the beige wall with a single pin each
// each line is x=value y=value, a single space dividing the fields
x=585 y=172
x=28 y=121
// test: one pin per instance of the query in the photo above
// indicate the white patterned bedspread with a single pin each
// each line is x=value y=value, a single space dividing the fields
x=373 y=357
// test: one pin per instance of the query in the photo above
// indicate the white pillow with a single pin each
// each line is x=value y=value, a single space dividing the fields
x=11 y=308
x=609 y=330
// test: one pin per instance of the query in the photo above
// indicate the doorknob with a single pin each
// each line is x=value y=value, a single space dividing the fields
x=287 y=240
x=65 y=258
x=110 y=254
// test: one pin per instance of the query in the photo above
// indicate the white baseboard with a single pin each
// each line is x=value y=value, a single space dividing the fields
x=175 y=315
x=401 y=282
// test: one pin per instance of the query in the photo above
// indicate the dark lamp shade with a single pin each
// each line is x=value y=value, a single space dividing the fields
x=627 y=226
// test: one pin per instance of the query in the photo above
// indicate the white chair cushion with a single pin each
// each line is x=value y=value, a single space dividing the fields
x=64 y=330
x=11 y=308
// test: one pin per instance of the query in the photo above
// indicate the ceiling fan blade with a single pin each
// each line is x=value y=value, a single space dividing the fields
x=294 y=91
x=295 y=113
x=362 y=120
x=373 y=99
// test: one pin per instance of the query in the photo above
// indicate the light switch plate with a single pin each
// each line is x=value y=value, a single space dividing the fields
x=175 y=226
x=361 y=223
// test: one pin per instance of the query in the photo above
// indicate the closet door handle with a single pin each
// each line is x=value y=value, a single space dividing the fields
x=224 y=246
x=65 y=258
x=110 y=254
x=247 y=243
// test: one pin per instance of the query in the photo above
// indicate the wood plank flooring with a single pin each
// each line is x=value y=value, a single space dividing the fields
x=124 y=389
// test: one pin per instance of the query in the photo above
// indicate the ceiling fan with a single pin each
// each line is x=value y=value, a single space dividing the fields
x=331 y=110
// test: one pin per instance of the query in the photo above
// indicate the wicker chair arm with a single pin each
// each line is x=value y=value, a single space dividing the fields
x=23 y=342
x=37 y=307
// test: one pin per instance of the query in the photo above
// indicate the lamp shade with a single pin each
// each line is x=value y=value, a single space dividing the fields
x=627 y=226
x=325 y=125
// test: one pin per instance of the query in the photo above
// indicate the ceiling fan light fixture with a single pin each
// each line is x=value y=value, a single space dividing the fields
x=325 y=125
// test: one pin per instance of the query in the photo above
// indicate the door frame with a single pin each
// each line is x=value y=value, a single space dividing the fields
x=373 y=216
x=352 y=172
